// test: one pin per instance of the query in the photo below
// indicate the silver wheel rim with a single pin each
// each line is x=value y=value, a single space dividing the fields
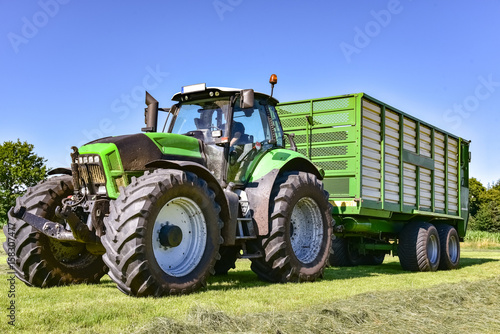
x=432 y=249
x=306 y=233
x=180 y=260
x=453 y=249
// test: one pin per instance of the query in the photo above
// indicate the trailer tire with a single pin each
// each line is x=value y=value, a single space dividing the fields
x=163 y=234
x=339 y=256
x=450 y=247
x=228 y=257
x=419 y=247
x=39 y=260
x=298 y=245
x=374 y=258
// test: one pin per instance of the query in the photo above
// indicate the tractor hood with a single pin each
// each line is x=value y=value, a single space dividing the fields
x=136 y=150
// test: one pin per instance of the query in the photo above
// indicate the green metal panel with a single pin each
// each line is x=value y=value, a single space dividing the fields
x=175 y=144
x=274 y=159
x=112 y=164
x=326 y=131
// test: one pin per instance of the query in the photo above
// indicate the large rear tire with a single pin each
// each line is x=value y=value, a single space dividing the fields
x=299 y=241
x=419 y=248
x=163 y=234
x=42 y=261
x=450 y=247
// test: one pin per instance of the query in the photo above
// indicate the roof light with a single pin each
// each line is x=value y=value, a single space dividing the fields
x=193 y=88
x=273 y=80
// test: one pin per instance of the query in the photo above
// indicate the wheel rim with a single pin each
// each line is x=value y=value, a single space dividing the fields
x=306 y=230
x=453 y=248
x=185 y=215
x=432 y=249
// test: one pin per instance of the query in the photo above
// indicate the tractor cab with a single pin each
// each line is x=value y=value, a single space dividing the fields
x=234 y=126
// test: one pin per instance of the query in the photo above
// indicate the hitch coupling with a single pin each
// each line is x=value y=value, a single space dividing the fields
x=79 y=231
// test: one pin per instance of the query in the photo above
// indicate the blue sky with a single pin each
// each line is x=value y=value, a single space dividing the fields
x=72 y=71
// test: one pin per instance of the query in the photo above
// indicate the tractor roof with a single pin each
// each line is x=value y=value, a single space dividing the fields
x=200 y=91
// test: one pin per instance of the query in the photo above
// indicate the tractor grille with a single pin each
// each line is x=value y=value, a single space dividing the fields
x=92 y=174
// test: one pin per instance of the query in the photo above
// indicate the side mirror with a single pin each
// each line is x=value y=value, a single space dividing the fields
x=246 y=98
x=150 y=114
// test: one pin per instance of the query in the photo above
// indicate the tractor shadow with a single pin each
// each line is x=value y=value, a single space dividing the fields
x=243 y=279
x=236 y=280
x=246 y=278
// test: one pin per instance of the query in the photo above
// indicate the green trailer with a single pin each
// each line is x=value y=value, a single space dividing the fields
x=397 y=184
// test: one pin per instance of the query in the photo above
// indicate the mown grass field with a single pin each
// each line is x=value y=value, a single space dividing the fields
x=348 y=300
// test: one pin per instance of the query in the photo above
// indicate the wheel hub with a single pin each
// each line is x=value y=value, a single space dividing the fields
x=170 y=236
x=179 y=248
x=306 y=230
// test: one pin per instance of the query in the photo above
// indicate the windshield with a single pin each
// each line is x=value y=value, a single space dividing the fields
x=252 y=123
x=200 y=118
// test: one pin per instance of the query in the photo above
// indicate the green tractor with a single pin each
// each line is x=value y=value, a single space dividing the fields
x=162 y=211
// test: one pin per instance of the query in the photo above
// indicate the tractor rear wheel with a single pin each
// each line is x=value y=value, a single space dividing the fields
x=299 y=240
x=39 y=260
x=419 y=248
x=163 y=234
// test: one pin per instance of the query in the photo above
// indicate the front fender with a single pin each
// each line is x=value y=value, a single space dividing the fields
x=263 y=178
x=283 y=160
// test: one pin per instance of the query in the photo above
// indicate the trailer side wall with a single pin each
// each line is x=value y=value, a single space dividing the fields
x=379 y=161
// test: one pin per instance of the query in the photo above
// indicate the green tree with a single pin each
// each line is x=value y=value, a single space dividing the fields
x=484 y=204
x=476 y=195
x=20 y=168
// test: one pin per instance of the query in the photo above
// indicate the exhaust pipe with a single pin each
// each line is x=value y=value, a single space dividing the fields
x=150 y=114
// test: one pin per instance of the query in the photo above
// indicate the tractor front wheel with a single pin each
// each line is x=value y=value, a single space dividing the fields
x=163 y=234
x=39 y=260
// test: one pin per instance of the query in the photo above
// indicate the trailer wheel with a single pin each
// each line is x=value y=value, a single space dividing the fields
x=339 y=256
x=299 y=241
x=374 y=258
x=42 y=261
x=419 y=248
x=450 y=247
x=344 y=254
x=163 y=234
x=228 y=257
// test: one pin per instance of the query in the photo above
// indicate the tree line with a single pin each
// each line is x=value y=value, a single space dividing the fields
x=484 y=206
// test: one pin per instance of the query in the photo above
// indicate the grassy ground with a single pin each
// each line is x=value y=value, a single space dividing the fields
x=360 y=299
